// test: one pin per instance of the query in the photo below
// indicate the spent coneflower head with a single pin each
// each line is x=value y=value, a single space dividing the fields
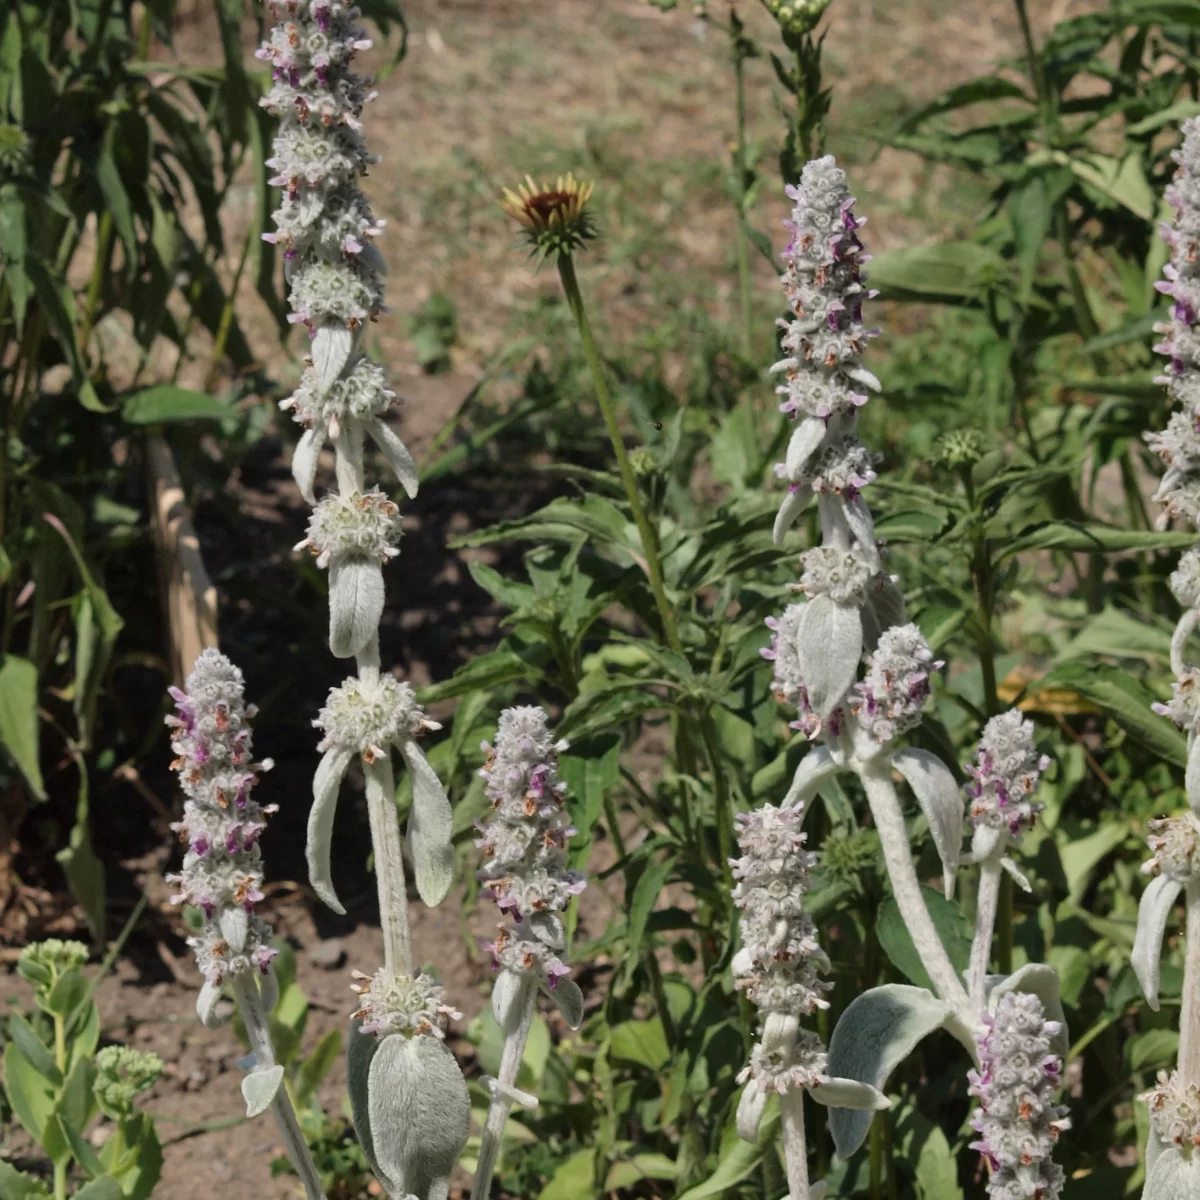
x=555 y=218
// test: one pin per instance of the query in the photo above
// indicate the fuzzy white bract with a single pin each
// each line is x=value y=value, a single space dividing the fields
x=1017 y=1119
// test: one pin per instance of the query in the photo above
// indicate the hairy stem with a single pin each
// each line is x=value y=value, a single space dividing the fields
x=389 y=868
x=1189 y=1017
x=254 y=1016
x=510 y=1066
x=566 y=270
x=795 y=1149
x=986 y=904
x=893 y=837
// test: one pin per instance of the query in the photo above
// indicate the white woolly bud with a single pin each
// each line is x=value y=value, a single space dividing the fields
x=894 y=689
x=360 y=395
x=1017 y=1118
x=397 y=1004
x=1184 y=706
x=841 y=574
x=368 y=718
x=362 y=524
x=1174 y=842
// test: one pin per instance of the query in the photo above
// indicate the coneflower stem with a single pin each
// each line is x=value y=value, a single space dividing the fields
x=566 y=271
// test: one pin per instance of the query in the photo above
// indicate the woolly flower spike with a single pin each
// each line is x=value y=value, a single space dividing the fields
x=365 y=719
x=524 y=848
x=894 y=689
x=1017 y=1119
x=1173 y=842
x=1006 y=771
x=778 y=967
x=397 y=1004
x=353 y=535
x=1179 y=444
x=823 y=381
x=222 y=822
x=555 y=219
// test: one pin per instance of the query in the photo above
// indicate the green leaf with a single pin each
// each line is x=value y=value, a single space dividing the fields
x=1082 y=855
x=1151 y=1050
x=1096 y=539
x=19 y=719
x=1122 y=180
x=16 y=1185
x=508 y=592
x=737 y=1159
x=880 y=1029
x=950 y=923
x=573 y=1179
x=104 y=1188
x=1119 y=634
x=22 y=1035
x=631 y=1171
x=166 y=403
x=142 y=1161
x=951 y=272
x=645 y=894
x=641 y=1042
x=317 y=1065
x=974 y=91
x=30 y=1093
x=1127 y=700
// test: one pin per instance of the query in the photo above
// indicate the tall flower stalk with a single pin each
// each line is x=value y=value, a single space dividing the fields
x=1172 y=1165
x=222 y=877
x=335 y=277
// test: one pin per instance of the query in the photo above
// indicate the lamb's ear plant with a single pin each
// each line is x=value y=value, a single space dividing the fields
x=854 y=614
x=1172 y=1167
x=410 y=1101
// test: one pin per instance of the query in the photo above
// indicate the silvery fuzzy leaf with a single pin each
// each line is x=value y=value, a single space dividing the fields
x=829 y=645
x=568 y=999
x=331 y=346
x=430 y=828
x=750 y=1109
x=268 y=987
x=397 y=454
x=1154 y=911
x=305 y=459
x=1191 y=779
x=879 y=1030
x=858 y=518
x=506 y=994
x=1040 y=980
x=1172 y=1177
x=794 y=503
x=848 y=1094
x=327 y=783
x=234 y=923
x=987 y=841
x=815 y=768
x=1018 y=876
x=938 y=795
x=805 y=439
x=862 y=375
x=887 y=600
x=355 y=603
x=547 y=927
x=206 y=1005
x=260 y=1088
x=411 y=1111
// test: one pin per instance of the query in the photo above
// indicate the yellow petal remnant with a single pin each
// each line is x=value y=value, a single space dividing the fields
x=555 y=218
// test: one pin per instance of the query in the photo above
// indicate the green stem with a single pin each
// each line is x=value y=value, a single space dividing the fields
x=745 y=287
x=877 y=1157
x=1036 y=73
x=566 y=270
x=104 y=235
x=721 y=798
x=226 y=322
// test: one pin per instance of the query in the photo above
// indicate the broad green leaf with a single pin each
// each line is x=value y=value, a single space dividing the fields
x=317 y=1065
x=573 y=1179
x=641 y=1042
x=975 y=91
x=1122 y=180
x=30 y=1093
x=1081 y=855
x=1151 y=1050
x=736 y=1158
x=645 y=895
x=21 y=1033
x=631 y=1171
x=16 y=1185
x=104 y=1188
x=1119 y=634
x=880 y=1029
x=950 y=923
x=167 y=403
x=138 y=1168
x=1099 y=539
x=19 y=719
x=947 y=271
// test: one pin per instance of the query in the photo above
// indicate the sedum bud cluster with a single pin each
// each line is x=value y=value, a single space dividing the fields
x=1017 y=1119
x=524 y=846
x=222 y=822
x=780 y=961
x=123 y=1074
x=1005 y=772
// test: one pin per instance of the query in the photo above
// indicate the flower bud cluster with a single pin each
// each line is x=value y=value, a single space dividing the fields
x=1006 y=771
x=1184 y=706
x=779 y=963
x=787 y=1066
x=367 y=718
x=1179 y=444
x=892 y=693
x=1017 y=1119
x=843 y=575
x=524 y=844
x=362 y=524
x=361 y=394
x=1175 y=1111
x=391 y=1003
x=797 y=17
x=1173 y=843
x=222 y=822
x=122 y=1074
x=324 y=223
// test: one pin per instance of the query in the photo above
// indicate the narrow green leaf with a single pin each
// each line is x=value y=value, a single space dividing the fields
x=166 y=403
x=645 y=894
x=19 y=719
